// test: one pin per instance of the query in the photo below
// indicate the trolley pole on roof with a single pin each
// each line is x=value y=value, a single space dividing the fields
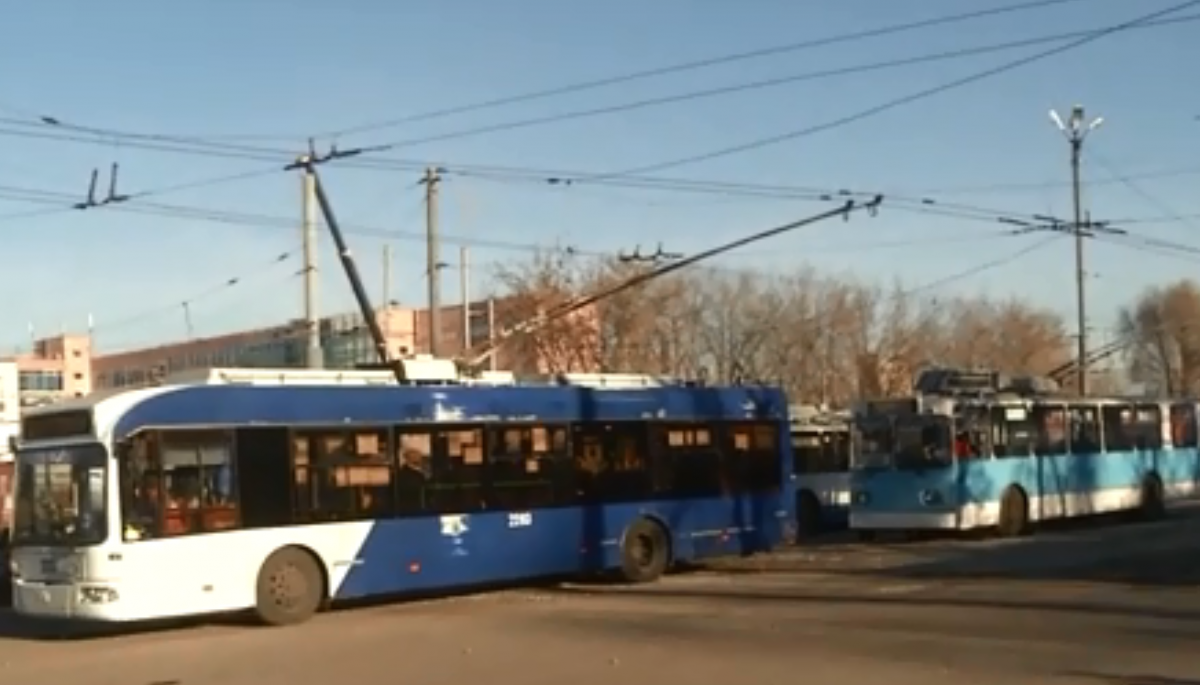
x=308 y=163
x=1076 y=130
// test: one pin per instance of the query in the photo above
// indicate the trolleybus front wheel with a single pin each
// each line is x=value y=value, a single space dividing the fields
x=645 y=552
x=291 y=588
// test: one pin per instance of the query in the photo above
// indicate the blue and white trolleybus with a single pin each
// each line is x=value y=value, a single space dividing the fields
x=280 y=491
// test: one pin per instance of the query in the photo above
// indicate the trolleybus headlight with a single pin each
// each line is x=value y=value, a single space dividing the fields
x=931 y=497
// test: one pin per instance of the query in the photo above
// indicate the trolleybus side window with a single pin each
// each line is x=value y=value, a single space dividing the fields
x=1051 y=422
x=821 y=451
x=752 y=461
x=414 y=469
x=529 y=467
x=687 y=461
x=141 y=491
x=1183 y=425
x=341 y=475
x=1148 y=426
x=1013 y=432
x=457 y=483
x=179 y=482
x=1120 y=434
x=611 y=461
x=1085 y=429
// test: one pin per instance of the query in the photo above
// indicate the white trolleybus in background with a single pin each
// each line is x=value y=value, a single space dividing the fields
x=972 y=450
x=280 y=491
x=821 y=450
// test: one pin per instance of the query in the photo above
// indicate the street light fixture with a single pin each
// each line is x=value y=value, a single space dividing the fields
x=1076 y=130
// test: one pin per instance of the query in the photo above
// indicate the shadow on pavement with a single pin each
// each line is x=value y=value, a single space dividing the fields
x=1013 y=603
x=1114 y=679
x=1154 y=554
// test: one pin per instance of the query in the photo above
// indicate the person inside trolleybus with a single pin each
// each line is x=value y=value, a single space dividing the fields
x=963 y=449
x=146 y=506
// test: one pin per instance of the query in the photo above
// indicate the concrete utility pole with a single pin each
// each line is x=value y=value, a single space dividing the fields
x=1076 y=131
x=433 y=259
x=313 y=357
x=464 y=275
x=491 y=326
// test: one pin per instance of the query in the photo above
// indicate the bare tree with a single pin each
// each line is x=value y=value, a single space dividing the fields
x=824 y=339
x=1162 y=328
x=547 y=281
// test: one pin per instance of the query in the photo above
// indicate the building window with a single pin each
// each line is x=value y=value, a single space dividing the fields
x=41 y=381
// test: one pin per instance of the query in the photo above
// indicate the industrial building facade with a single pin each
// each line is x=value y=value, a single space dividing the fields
x=65 y=366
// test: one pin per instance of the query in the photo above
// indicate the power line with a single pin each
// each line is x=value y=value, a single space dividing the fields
x=183 y=212
x=499 y=173
x=1025 y=186
x=699 y=64
x=148 y=139
x=746 y=86
x=175 y=307
x=925 y=206
x=898 y=102
x=577 y=87
x=980 y=268
x=1141 y=192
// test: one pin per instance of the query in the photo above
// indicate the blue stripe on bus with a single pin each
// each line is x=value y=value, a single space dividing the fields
x=467 y=549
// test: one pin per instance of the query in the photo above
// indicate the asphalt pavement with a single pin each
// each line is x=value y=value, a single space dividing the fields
x=1125 y=610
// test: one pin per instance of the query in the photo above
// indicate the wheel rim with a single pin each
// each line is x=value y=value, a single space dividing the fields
x=643 y=550
x=288 y=587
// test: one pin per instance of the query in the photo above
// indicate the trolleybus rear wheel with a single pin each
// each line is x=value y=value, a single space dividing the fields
x=290 y=588
x=1014 y=513
x=645 y=552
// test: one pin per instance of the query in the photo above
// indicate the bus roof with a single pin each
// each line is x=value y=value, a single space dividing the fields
x=118 y=415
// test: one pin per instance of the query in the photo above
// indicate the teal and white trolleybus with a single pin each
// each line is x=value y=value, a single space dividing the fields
x=976 y=450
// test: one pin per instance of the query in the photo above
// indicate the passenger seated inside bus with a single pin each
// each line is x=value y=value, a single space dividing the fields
x=143 y=515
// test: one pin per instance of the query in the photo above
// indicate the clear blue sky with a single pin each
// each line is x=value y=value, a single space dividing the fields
x=293 y=67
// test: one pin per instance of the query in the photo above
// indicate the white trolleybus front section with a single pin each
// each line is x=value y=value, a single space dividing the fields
x=974 y=450
x=213 y=494
x=821 y=452
x=77 y=508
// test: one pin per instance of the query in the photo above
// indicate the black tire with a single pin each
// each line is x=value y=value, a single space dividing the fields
x=1153 y=504
x=645 y=552
x=1014 y=514
x=808 y=515
x=290 y=588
